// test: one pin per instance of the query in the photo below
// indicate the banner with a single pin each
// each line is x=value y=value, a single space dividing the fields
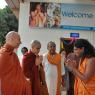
x=78 y=17
x=44 y=15
x=62 y=16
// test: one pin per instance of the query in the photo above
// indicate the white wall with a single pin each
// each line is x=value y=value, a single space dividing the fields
x=45 y=35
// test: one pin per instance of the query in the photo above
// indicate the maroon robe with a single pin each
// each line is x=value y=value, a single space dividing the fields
x=31 y=71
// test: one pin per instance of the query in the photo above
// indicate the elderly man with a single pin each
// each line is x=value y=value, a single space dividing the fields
x=13 y=81
x=54 y=70
x=33 y=69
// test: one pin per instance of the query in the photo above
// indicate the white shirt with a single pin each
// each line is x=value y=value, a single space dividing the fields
x=51 y=75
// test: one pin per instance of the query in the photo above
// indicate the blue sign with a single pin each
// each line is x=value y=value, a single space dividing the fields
x=75 y=35
x=67 y=27
x=78 y=17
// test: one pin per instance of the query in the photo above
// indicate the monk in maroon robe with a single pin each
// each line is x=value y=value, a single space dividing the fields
x=13 y=81
x=33 y=69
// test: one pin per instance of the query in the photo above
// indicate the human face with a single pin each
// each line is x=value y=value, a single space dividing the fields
x=36 y=49
x=52 y=48
x=17 y=41
x=56 y=22
x=78 y=51
x=63 y=53
x=38 y=7
x=32 y=14
x=24 y=51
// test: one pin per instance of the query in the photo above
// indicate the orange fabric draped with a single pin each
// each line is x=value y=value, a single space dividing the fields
x=13 y=81
x=82 y=88
x=56 y=60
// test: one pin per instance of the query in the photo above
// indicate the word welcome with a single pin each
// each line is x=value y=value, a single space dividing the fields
x=77 y=14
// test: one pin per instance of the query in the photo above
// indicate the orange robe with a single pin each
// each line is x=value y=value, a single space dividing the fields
x=13 y=81
x=82 y=88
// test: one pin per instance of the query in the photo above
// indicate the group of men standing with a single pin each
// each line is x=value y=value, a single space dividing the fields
x=43 y=75
x=44 y=72
x=38 y=75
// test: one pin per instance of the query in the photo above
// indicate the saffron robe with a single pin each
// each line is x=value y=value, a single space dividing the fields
x=82 y=88
x=13 y=81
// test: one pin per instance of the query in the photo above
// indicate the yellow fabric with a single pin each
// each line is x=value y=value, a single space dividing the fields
x=56 y=60
x=82 y=88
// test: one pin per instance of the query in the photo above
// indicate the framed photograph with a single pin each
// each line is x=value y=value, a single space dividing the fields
x=37 y=17
x=44 y=15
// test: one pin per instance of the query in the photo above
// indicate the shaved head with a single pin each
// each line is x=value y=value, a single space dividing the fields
x=11 y=34
x=51 y=46
x=51 y=43
x=13 y=39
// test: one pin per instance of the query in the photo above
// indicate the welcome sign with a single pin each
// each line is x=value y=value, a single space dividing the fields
x=62 y=15
x=78 y=16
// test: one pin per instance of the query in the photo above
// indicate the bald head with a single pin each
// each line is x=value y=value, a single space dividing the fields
x=51 y=46
x=51 y=43
x=11 y=34
x=13 y=39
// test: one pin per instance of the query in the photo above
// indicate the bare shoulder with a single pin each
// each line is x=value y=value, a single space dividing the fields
x=91 y=60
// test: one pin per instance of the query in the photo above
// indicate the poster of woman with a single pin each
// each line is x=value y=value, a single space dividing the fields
x=37 y=16
x=44 y=15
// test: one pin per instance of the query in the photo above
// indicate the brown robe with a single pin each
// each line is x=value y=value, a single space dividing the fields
x=32 y=72
x=13 y=81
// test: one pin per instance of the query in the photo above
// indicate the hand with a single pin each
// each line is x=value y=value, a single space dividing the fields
x=71 y=64
x=28 y=80
x=39 y=60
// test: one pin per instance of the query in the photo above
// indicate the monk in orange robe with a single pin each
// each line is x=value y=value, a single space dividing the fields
x=85 y=74
x=13 y=81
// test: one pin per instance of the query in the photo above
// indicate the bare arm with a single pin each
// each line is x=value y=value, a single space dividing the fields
x=89 y=72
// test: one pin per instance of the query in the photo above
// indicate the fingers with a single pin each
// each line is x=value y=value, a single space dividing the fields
x=39 y=60
x=71 y=64
x=67 y=62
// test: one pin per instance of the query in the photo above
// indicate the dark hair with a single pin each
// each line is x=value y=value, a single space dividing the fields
x=89 y=50
x=24 y=50
x=62 y=49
